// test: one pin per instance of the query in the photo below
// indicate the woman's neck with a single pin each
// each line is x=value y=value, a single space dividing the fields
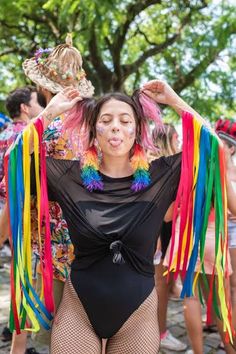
x=22 y=118
x=116 y=167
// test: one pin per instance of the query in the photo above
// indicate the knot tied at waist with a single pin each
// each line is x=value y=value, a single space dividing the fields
x=116 y=247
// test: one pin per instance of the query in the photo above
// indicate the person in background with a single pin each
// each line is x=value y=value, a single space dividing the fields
x=192 y=305
x=22 y=105
x=4 y=120
x=167 y=142
x=226 y=129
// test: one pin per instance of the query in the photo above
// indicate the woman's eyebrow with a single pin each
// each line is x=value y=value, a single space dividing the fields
x=111 y=115
x=106 y=114
x=125 y=114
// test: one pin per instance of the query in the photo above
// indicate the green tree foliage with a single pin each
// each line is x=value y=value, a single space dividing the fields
x=189 y=43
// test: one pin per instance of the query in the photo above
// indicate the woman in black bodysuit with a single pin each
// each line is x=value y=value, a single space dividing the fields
x=113 y=228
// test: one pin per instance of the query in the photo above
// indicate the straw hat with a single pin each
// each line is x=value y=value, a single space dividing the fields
x=57 y=68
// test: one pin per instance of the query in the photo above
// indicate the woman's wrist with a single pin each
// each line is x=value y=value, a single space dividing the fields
x=179 y=106
x=48 y=116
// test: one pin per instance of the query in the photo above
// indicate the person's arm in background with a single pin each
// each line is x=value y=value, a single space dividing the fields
x=231 y=195
x=4 y=228
x=169 y=214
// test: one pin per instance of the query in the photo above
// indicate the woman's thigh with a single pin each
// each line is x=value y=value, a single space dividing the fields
x=72 y=331
x=140 y=333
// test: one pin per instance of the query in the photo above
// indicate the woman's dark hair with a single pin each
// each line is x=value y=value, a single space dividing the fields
x=80 y=121
x=92 y=114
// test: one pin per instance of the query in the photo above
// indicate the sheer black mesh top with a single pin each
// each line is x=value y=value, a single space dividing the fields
x=114 y=233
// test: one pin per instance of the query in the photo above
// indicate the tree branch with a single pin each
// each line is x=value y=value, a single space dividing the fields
x=145 y=36
x=132 y=11
x=131 y=68
x=8 y=51
x=158 y=48
x=108 y=43
x=95 y=57
x=47 y=19
x=188 y=79
x=74 y=19
x=21 y=28
x=13 y=50
x=92 y=76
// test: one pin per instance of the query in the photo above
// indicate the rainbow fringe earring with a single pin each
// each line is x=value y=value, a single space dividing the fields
x=92 y=180
x=140 y=166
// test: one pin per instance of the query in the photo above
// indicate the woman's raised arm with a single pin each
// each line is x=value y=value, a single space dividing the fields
x=161 y=92
x=60 y=103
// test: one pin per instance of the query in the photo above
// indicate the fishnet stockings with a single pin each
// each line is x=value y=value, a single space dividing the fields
x=140 y=333
x=73 y=333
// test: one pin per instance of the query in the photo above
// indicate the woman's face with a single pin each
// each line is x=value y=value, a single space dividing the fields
x=229 y=150
x=175 y=142
x=116 y=128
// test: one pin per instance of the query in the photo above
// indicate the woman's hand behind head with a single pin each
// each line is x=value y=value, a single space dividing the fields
x=62 y=102
x=160 y=92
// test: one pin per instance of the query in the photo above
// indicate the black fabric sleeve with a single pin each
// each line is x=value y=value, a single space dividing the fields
x=56 y=168
x=170 y=165
x=174 y=162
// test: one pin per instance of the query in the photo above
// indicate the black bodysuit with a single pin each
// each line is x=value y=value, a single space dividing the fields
x=114 y=233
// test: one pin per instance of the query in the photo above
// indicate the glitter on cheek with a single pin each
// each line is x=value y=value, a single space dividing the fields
x=131 y=131
x=100 y=130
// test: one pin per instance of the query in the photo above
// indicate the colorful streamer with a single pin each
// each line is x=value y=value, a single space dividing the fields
x=28 y=311
x=202 y=185
x=202 y=182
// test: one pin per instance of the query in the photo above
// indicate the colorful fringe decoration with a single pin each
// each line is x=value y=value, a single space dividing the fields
x=140 y=166
x=92 y=180
x=25 y=303
x=202 y=183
